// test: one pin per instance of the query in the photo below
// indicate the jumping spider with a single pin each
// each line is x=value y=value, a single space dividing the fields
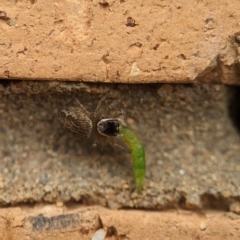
x=85 y=124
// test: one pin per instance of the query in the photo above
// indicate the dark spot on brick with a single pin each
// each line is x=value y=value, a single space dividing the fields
x=131 y=22
x=209 y=20
x=137 y=44
x=83 y=230
x=182 y=56
x=104 y=4
x=237 y=37
x=156 y=46
x=3 y=15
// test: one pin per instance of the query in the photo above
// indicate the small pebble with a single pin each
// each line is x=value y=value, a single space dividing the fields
x=11 y=22
x=203 y=226
x=100 y=234
x=193 y=201
x=182 y=172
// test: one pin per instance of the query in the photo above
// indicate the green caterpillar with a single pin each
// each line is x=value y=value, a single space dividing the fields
x=138 y=155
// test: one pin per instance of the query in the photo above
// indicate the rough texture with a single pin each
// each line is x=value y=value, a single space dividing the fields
x=120 y=40
x=192 y=150
x=74 y=222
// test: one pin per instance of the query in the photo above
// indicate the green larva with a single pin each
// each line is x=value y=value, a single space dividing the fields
x=138 y=155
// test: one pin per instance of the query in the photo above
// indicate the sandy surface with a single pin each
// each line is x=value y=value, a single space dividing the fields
x=192 y=150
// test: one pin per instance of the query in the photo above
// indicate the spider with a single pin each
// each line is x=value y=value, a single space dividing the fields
x=85 y=124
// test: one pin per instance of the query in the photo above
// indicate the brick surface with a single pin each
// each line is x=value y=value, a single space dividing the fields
x=120 y=41
x=78 y=222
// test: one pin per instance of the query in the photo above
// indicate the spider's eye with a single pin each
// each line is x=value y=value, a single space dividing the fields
x=108 y=127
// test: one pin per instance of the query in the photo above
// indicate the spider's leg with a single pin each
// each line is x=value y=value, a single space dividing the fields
x=115 y=145
x=95 y=143
x=100 y=104
x=113 y=105
x=82 y=107
x=121 y=113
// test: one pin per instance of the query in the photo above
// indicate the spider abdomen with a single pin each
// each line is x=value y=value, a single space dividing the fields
x=76 y=121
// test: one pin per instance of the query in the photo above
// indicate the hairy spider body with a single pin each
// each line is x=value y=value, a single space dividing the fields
x=85 y=124
x=76 y=122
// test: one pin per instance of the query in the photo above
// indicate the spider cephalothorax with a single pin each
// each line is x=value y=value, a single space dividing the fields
x=108 y=126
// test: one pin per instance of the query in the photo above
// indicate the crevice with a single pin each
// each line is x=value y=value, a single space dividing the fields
x=213 y=202
x=234 y=106
x=104 y=4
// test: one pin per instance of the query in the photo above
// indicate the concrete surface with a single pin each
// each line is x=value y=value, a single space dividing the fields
x=120 y=41
x=192 y=149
